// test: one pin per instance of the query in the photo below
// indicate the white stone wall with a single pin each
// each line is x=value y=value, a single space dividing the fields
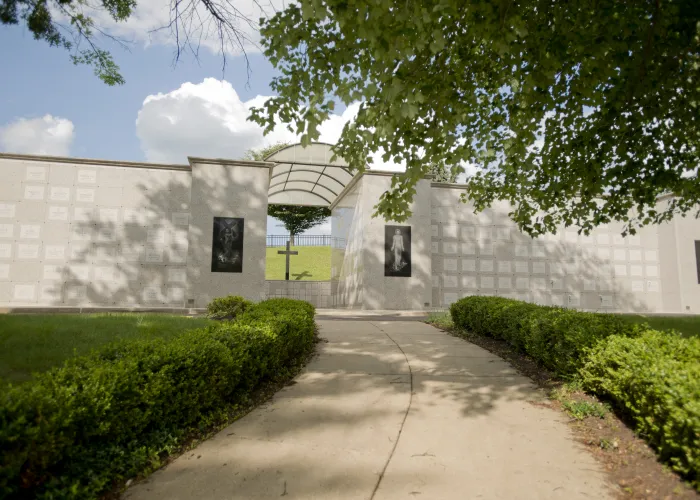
x=347 y=222
x=87 y=233
x=486 y=254
x=77 y=232
x=397 y=293
x=222 y=188
x=317 y=293
x=679 y=264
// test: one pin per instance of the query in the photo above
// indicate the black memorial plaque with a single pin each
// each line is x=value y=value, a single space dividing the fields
x=227 y=245
x=397 y=251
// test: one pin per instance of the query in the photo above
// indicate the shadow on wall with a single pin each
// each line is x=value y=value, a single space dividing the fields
x=396 y=292
x=353 y=291
x=497 y=259
x=358 y=276
x=140 y=253
x=347 y=269
x=583 y=280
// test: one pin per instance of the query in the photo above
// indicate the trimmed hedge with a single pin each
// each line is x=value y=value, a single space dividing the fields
x=228 y=307
x=75 y=430
x=555 y=337
x=655 y=380
x=651 y=377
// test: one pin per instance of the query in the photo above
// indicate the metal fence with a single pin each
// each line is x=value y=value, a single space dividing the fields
x=320 y=240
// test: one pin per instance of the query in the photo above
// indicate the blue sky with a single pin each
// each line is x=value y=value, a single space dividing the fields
x=99 y=121
x=43 y=81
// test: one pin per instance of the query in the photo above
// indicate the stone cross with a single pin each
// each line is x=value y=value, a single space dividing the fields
x=287 y=253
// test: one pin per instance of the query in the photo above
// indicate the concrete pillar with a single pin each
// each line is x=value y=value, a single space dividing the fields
x=227 y=188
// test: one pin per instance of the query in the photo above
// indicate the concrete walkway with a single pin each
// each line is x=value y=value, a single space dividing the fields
x=390 y=410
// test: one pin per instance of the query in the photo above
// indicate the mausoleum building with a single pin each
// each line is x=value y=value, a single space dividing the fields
x=109 y=234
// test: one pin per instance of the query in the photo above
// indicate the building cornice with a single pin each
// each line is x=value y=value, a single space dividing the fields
x=356 y=178
x=226 y=162
x=448 y=185
x=92 y=161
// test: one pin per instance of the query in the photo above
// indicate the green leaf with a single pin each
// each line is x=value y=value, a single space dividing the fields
x=454 y=83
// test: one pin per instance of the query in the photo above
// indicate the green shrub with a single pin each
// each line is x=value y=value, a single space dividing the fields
x=555 y=337
x=75 y=430
x=655 y=380
x=228 y=307
x=652 y=377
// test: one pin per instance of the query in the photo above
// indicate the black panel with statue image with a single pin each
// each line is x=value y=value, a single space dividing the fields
x=397 y=251
x=227 y=245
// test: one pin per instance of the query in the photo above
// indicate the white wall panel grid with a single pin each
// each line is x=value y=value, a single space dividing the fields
x=600 y=271
x=72 y=224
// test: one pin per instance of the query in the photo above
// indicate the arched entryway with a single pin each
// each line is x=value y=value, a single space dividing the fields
x=305 y=176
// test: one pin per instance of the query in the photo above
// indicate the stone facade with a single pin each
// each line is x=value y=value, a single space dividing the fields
x=93 y=233
x=347 y=271
x=222 y=188
x=486 y=254
x=361 y=278
x=317 y=293
x=86 y=233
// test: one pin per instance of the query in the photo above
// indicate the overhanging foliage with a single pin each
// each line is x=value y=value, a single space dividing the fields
x=577 y=113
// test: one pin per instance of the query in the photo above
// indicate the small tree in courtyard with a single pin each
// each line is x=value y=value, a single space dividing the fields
x=296 y=219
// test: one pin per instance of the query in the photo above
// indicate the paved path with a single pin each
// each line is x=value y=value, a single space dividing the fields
x=390 y=410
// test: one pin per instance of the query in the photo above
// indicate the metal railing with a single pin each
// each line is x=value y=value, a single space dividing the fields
x=303 y=240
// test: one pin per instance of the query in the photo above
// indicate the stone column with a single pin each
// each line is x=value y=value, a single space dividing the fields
x=227 y=188
x=390 y=292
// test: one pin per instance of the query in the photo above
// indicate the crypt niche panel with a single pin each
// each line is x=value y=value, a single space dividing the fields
x=227 y=245
x=397 y=251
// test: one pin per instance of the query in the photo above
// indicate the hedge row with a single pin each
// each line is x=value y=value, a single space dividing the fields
x=652 y=377
x=75 y=430
x=228 y=307
x=555 y=337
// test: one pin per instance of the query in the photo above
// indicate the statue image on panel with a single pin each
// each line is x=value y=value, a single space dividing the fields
x=397 y=251
x=227 y=245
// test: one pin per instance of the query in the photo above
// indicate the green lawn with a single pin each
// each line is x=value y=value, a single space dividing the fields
x=689 y=326
x=36 y=342
x=312 y=264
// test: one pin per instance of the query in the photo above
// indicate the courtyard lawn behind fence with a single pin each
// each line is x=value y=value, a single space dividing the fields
x=36 y=342
x=312 y=264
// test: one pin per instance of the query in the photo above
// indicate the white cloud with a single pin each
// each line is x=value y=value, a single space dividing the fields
x=48 y=135
x=210 y=120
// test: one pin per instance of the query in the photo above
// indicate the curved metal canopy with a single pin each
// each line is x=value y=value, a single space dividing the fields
x=306 y=176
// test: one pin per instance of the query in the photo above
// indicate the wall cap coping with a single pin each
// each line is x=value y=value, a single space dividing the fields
x=298 y=281
x=93 y=161
x=358 y=176
x=224 y=161
x=390 y=173
x=448 y=185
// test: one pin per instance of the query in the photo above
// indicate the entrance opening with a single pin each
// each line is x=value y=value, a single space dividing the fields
x=304 y=176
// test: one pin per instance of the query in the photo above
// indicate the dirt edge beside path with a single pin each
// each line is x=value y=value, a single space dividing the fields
x=629 y=462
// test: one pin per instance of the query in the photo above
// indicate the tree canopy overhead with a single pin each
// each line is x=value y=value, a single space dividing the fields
x=577 y=113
